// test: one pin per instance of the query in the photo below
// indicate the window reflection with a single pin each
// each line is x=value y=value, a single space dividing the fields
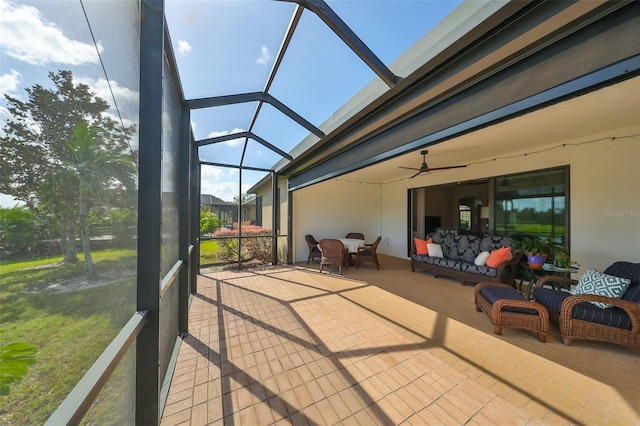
x=533 y=203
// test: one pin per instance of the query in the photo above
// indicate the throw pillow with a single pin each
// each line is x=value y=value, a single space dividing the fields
x=594 y=282
x=498 y=256
x=421 y=246
x=435 y=250
x=481 y=259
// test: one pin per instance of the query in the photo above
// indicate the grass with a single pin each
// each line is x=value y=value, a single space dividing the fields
x=70 y=329
x=208 y=250
x=531 y=229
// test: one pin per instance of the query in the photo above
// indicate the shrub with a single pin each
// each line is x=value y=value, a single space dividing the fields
x=256 y=243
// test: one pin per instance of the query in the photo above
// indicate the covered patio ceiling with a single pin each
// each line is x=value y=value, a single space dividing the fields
x=577 y=120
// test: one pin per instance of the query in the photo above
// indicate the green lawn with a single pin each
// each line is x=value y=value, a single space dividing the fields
x=208 y=250
x=70 y=329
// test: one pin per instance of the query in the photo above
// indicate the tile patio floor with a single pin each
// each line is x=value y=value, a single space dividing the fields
x=287 y=345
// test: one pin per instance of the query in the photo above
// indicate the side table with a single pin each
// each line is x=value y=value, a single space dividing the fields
x=534 y=274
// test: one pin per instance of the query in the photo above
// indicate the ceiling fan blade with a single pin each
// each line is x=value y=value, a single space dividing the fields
x=408 y=168
x=416 y=174
x=447 y=167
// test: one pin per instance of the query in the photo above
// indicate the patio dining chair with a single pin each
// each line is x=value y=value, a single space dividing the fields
x=369 y=253
x=355 y=235
x=314 y=251
x=333 y=253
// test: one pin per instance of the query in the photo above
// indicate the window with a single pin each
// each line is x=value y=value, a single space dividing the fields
x=465 y=218
x=533 y=203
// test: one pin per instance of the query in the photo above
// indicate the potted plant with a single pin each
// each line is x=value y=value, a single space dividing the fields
x=562 y=257
x=537 y=250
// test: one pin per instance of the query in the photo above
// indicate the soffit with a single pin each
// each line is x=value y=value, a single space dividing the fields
x=607 y=109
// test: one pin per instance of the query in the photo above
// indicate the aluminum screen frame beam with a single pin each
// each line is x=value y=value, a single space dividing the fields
x=248 y=135
x=346 y=34
x=239 y=98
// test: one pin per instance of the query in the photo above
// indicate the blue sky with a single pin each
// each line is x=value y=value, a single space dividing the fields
x=222 y=48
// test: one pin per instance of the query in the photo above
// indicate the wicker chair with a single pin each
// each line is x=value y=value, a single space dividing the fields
x=580 y=320
x=368 y=253
x=333 y=253
x=355 y=235
x=314 y=251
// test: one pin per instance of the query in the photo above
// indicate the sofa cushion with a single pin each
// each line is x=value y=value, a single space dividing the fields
x=594 y=282
x=492 y=243
x=426 y=259
x=464 y=247
x=448 y=263
x=478 y=269
x=493 y=294
x=447 y=245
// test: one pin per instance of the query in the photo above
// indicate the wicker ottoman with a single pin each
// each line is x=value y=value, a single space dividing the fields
x=507 y=307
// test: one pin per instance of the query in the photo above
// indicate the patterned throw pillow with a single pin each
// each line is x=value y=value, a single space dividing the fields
x=594 y=282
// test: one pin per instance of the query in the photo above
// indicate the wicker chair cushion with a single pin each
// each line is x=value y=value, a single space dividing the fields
x=625 y=270
x=631 y=271
x=493 y=294
x=613 y=317
x=479 y=269
x=632 y=294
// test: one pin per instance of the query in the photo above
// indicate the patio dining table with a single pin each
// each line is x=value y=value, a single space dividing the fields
x=352 y=244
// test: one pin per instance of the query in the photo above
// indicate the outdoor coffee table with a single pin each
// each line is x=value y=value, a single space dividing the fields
x=507 y=307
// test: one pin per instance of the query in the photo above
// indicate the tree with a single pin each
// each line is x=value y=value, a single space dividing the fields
x=60 y=152
x=209 y=222
x=245 y=198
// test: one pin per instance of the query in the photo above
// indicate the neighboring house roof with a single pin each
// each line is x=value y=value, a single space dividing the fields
x=251 y=202
x=210 y=200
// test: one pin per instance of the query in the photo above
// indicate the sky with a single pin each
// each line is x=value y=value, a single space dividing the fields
x=221 y=48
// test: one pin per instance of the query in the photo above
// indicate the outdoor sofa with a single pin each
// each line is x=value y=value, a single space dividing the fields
x=578 y=318
x=460 y=258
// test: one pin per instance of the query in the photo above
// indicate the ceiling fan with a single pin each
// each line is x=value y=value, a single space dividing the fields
x=426 y=169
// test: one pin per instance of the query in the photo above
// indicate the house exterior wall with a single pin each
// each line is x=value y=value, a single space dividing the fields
x=264 y=190
x=334 y=208
x=604 y=200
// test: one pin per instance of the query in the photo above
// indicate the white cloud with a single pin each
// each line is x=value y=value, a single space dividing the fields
x=215 y=182
x=232 y=142
x=25 y=36
x=100 y=86
x=9 y=82
x=184 y=47
x=265 y=55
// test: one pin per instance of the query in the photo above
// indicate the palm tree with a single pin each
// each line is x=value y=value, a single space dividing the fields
x=96 y=170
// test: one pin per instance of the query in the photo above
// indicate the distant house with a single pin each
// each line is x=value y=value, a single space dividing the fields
x=226 y=211
x=249 y=213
